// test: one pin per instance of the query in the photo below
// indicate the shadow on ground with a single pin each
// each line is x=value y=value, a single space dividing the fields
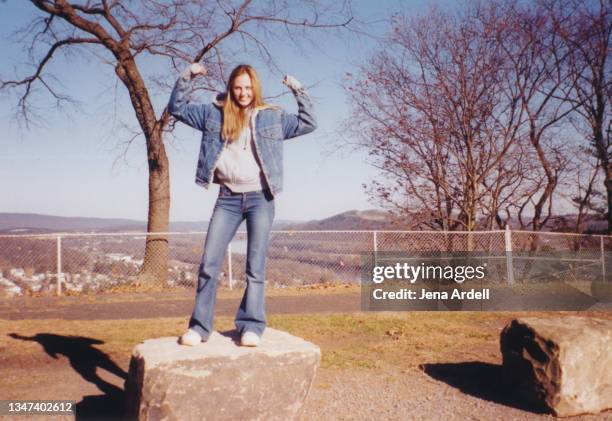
x=85 y=359
x=482 y=380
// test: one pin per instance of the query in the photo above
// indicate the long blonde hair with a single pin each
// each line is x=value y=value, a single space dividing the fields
x=236 y=118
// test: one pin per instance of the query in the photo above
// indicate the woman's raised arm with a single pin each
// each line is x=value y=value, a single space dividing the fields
x=304 y=122
x=193 y=115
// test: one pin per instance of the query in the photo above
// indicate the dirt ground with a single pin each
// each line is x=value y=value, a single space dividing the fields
x=167 y=304
x=457 y=386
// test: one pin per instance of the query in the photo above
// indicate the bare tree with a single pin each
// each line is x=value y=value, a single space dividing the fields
x=586 y=27
x=175 y=32
x=433 y=114
x=467 y=116
x=538 y=58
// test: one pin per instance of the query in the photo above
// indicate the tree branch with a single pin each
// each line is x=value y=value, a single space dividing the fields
x=28 y=81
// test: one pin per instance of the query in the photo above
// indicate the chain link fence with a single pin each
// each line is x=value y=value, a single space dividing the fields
x=91 y=263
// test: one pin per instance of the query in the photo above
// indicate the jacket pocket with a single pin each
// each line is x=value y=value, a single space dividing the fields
x=274 y=132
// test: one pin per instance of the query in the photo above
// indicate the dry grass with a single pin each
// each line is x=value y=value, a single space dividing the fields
x=394 y=340
x=155 y=293
x=360 y=340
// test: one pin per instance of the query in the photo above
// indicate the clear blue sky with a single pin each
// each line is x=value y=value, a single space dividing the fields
x=69 y=165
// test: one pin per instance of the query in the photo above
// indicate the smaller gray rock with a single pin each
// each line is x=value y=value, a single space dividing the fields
x=220 y=380
x=564 y=362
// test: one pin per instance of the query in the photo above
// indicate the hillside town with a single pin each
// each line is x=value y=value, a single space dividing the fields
x=109 y=270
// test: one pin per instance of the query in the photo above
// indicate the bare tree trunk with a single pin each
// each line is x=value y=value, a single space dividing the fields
x=155 y=263
x=154 y=267
x=583 y=201
x=606 y=165
x=608 y=183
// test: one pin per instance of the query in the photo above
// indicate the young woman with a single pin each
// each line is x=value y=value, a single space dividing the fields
x=242 y=150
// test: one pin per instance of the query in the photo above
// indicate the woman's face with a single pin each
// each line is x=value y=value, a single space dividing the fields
x=242 y=90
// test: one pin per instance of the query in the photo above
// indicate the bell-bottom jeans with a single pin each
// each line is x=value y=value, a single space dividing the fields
x=231 y=209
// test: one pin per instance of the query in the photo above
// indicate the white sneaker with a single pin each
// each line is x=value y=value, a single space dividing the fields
x=190 y=338
x=249 y=339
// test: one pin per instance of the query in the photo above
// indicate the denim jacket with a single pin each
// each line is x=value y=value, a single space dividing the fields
x=272 y=126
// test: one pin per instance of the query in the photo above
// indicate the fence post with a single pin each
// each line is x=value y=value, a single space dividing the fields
x=375 y=248
x=509 y=266
x=603 y=259
x=229 y=264
x=59 y=265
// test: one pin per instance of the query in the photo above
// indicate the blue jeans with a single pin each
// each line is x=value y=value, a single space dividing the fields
x=230 y=210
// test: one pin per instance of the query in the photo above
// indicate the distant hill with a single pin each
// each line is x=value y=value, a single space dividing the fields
x=352 y=220
x=567 y=223
x=32 y=223
x=381 y=220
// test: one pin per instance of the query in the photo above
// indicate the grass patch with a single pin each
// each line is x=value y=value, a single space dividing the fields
x=389 y=340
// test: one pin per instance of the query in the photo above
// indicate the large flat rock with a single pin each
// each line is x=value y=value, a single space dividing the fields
x=220 y=380
x=563 y=362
